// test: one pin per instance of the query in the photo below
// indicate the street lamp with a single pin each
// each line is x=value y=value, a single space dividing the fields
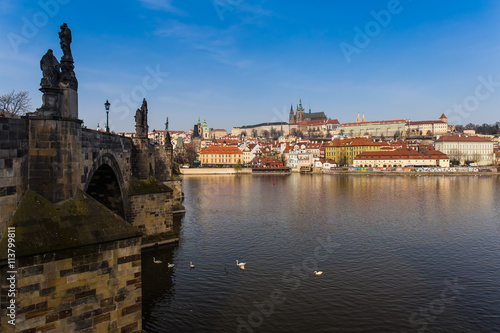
x=106 y=105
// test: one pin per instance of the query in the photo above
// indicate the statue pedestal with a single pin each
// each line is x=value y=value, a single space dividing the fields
x=50 y=102
x=69 y=102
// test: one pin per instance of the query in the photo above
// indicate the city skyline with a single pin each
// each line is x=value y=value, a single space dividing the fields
x=239 y=63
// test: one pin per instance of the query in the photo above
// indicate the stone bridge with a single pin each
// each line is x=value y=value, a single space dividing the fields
x=54 y=156
x=78 y=205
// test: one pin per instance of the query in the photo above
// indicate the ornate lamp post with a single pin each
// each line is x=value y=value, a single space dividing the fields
x=106 y=105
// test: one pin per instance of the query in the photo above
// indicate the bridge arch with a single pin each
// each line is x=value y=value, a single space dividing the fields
x=105 y=183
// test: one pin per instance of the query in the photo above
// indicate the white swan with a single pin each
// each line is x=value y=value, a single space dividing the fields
x=157 y=261
x=170 y=265
x=191 y=265
x=318 y=273
x=241 y=264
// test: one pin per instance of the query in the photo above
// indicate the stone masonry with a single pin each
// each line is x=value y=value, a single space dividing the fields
x=80 y=202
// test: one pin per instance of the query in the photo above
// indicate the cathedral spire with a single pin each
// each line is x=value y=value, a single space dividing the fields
x=358 y=119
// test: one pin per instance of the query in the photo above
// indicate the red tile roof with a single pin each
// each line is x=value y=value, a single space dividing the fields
x=462 y=138
x=426 y=122
x=354 y=142
x=375 y=122
x=322 y=121
x=221 y=150
x=227 y=140
x=400 y=154
x=314 y=145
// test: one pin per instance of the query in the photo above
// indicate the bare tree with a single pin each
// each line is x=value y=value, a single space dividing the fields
x=15 y=104
x=254 y=133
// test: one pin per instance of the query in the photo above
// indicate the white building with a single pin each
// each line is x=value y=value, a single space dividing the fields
x=300 y=157
x=403 y=157
x=465 y=148
x=250 y=151
x=426 y=127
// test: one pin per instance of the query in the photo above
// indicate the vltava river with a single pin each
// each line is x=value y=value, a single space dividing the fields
x=399 y=254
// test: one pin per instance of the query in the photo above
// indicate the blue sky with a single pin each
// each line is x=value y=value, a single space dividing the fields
x=240 y=62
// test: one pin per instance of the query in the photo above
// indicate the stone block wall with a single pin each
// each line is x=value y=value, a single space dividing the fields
x=96 y=146
x=55 y=156
x=177 y=194
x=162 y=159
x=151 y=213
x=141 y=166
x=95 y=288
x=13 y=166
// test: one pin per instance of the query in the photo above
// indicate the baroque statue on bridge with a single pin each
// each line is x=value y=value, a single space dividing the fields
x=51 y=70
x=141 y=120
x=65 y=37
x=68 y=77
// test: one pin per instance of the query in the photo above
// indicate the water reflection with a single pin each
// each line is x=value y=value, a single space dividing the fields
x=400 y=239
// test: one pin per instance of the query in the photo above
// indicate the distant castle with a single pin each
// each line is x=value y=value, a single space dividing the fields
x=300 y=115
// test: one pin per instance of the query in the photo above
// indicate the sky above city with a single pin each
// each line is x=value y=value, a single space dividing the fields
x=242 y=62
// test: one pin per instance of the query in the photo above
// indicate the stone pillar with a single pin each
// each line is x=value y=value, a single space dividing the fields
x=69 y=102
x=140 y=150
x=55 y=158
x=140 y=158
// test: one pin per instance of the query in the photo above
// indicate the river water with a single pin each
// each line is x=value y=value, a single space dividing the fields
x=398 y=254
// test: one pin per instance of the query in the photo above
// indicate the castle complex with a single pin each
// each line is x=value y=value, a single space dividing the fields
x=301 y=116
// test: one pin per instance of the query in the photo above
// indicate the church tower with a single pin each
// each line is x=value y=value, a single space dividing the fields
x=300 y=112
x=291 y=119
x=358 y=119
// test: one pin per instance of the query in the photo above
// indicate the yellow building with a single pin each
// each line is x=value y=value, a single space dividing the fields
x=220 y=156
x=343 y=151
